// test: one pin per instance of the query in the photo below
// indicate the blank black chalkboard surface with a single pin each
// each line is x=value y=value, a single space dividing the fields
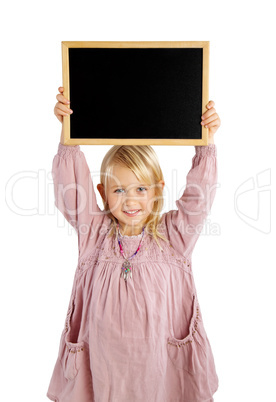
x=135 y=93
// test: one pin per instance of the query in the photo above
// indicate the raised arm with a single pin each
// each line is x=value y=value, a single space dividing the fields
x=73 y=187
x=74 y=193
x=185 y=224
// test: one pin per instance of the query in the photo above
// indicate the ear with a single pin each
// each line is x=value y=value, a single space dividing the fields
x=100 y=188
x=162 y=184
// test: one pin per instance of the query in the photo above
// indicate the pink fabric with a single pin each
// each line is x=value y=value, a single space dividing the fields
x=142 y=340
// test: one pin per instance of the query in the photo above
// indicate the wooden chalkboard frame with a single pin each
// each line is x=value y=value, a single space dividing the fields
x=66 y=45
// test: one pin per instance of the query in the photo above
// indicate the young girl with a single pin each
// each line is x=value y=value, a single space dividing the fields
x=134 y=330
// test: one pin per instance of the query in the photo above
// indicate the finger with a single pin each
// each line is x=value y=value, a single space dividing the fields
x=208 y=113
x=214 y=123
x=60 y=113
x=62 y=99
x=210 y=104
x=61 y=89
x=62 y=109
x=62 y=106
x=211 y=118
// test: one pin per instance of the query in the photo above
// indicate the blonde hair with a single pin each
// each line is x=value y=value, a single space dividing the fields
x=143 y=162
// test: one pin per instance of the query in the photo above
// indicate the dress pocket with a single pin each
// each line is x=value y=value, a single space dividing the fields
x=189 y=353
x=72 y=360
x=72 y=356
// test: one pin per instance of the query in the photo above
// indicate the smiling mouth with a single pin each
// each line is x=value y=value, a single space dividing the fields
x=133 y=212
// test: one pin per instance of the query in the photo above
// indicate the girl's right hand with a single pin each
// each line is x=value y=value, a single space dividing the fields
x=60 y=109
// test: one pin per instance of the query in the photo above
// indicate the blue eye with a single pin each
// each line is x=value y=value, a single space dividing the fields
x=119 y=190
x=142 y=189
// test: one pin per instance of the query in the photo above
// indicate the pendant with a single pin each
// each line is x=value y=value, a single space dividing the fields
x=126 y=270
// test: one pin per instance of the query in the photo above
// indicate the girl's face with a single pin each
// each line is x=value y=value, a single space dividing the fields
x=129 y=200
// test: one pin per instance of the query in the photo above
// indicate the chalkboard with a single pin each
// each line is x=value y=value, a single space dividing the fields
x=135 y=92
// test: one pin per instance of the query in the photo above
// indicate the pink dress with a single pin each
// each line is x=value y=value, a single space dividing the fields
x=140 y=340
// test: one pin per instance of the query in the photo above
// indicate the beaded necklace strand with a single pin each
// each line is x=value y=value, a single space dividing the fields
x=126 y=267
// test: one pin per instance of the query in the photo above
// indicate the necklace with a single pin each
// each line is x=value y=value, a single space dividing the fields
x=126 y=267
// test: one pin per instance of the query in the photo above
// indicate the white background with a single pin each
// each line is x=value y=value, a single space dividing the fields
x=233 y=269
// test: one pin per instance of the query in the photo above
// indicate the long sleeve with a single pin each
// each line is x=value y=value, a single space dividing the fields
x=74 y=193
x=185 y=224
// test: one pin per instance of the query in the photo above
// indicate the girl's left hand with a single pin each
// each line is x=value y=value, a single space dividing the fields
x=210 y=119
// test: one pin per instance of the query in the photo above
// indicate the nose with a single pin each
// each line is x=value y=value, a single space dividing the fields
x=131 y=197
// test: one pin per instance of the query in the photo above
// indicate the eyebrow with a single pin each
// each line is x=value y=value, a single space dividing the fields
x=138 y=185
